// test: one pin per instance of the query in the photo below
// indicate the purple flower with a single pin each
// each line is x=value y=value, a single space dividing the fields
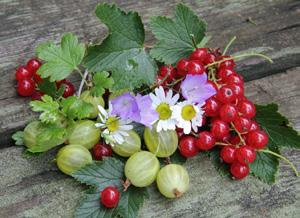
x=126 y=107
x=196 y=89
x=147 y=114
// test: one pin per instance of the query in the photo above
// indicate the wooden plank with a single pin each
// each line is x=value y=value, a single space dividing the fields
x=33 y=187
x=26 y=23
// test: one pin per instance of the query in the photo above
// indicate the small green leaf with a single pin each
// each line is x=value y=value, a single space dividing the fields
x=265 y=166
x=277 y=127
x=48 y=107
x=60 y=60
x=177 y=158
x=18 y=137
x=122 y=51
x=101 y=81
x=47 y=87
x=214 y=156
x=76 y=108
x=177 y=37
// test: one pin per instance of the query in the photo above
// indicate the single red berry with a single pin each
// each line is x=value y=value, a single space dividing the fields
x=235 y=140
x=226 y=94
x=23 y=73
x=257 y=139
x=224 y=73
x=212 y=107
x=238 y=90
x=33 y=65
x=37 y=95
x=242 y=124
x=225 y=138
x=199 y=54
x=179 y=132
x=195 y=67
x=37 y=78
x=219 y=129
x=246 y=108
x=26 y=87
x=182 y=66
x=203 y=120
x=59 y=82
x=210 y=58
x=229 y=64
x=254 y=126
x=110 y=197
x=238 y=170
x=227 y=154
x=69 y=88
x=234 y=79
x=167 y=71
x=161 y=81
x=101 y=150
x=228 y=113
x=205 y=141
x=187 y=146
x=245 y=154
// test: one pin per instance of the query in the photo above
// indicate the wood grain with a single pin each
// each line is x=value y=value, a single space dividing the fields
x=26 y=23
x=33 y=187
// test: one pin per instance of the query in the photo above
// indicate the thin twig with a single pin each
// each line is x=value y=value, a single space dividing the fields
x=83 y=80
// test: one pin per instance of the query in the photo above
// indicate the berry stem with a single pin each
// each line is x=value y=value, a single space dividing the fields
x=193 y=40
x=228 y=45
x=82 y=82
x=239 y=134
x=283 y=158
x=126 y=185
x=82 y=76
x=222 y=144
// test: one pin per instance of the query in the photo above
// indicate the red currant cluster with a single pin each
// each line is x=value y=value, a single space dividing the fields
x=28 y=79
x=229 y=112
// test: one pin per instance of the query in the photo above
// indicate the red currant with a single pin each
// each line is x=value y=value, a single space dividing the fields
x=101 y=150
x=26 y=87
x=161 y=81
x=247 y=109
x=213 y=84
x=37 y=95
x=168 y=72
x=33 y=65
x=254 y=126
x=182 y=66
x=205 y=141
x=238 y=170
x=234 y=79
x=195 y=67
x=199 y=54
x=245 y=154
x=110 y=197
x=69 y=88
x=238 y=90
x=227 y=154
x=242 y=124
x=219 y=129
x=228 y=113
x=226 y=94
x=212 y=107
x=23 y=73
x=229 y=64
x=179 y=132
x=235 y=140
x=37 y=78
x=210 y=58
x=257 y=139
x=224 y=73
x=187 y=146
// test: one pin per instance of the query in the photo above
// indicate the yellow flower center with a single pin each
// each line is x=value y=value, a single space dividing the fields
x=188 y=112
x=112 y=124
x=164 y=111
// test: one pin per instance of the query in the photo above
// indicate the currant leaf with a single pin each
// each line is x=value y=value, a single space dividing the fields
x=75 y=108
x=60 y=60
x=101 y=81
x=47 y=87
x=281 y=134
x=18 y=138
x=214 y=156
x=122 y=51
x=176 y=35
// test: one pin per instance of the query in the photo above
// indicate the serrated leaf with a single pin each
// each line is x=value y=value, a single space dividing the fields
x=265 y=166
x=49 y=109
x=108 y=172
x=214 y=156
x=176 y=36
x=18 y=137
x=47 y=87
x=76 y=108
x=277 y=127
x=122 y=51
x=101 y=81
x=60 y=60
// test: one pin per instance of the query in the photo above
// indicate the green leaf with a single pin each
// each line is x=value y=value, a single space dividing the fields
x=47 y=87
x=265 y=166
x=214 y=156
x=122 y=51
x=60 y=60
x=177 y=158
x=18 y=137
x=277 y=127
x=76 y=108
x=101 y=81
x=176 y=36
x=48 y=107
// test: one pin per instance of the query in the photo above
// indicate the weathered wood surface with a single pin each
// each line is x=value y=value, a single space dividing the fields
x=25 y=23
x=33 y=187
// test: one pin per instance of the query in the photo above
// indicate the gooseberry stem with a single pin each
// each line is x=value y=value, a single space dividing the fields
x=126 y=184
x=228 y=45
x=82 y=76
x=283 y=158
x=82 y=82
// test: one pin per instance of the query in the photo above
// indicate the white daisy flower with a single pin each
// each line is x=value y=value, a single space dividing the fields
x=114 y=129
x=163 y=102
x=188 y=116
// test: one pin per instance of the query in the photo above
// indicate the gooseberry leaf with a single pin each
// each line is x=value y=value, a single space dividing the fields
x=178 y=37
x=18 y=137
x=281 y=134
x=101 y=81
x=75 y=108
x=47 y=87
x=122 y=52
x=60 y=60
